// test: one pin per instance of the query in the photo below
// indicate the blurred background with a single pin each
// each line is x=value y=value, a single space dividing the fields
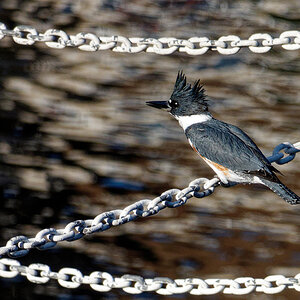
x=77 y=140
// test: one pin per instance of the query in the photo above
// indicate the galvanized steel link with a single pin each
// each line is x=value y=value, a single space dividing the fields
x=201 y=187
x=278 y=156
x=47 y=238
x=226 y=45
x=132 y=284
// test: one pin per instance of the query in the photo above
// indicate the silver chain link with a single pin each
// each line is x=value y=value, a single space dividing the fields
x=132 y=284
x=231 y=44
x=47 y=238
x=289 y=149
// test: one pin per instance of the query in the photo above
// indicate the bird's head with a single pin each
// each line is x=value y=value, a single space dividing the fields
x=186 y=99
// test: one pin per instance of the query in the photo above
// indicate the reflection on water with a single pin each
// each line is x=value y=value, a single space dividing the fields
x=77 y=139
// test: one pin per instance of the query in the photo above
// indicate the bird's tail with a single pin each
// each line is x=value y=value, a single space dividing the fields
x=282 y=191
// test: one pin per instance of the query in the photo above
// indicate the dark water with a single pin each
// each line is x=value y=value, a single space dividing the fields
x=78 y=140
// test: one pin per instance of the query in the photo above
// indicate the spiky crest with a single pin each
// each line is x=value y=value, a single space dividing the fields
x=183 y=90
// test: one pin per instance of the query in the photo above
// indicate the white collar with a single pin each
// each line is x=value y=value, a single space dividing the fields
x=187 y=121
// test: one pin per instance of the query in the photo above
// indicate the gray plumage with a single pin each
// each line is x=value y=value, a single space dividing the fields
x=229 y=146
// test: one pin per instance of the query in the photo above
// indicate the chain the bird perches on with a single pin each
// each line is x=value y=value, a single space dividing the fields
x=47 y=238
x=132 y=284
x=226 y=45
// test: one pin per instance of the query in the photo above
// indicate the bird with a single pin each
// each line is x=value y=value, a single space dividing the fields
x=227 y=149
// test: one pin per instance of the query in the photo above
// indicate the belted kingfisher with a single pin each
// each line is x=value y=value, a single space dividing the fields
x=228 y=150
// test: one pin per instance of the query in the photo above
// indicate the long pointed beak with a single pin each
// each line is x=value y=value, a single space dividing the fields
x=158 y=104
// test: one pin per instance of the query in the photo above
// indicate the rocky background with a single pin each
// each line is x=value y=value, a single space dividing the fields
x=77 y=140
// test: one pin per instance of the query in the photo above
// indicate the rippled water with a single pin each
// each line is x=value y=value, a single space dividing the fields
x=77 y=139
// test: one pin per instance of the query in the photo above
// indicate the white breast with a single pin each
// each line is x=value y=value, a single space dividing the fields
x=187 y=121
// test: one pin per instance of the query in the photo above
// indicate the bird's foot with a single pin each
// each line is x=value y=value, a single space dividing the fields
x=226 y=184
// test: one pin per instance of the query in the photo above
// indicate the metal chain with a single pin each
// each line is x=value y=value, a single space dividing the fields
x=47 y=238
x=288 y=148
x=103 y=282
x=231 y=44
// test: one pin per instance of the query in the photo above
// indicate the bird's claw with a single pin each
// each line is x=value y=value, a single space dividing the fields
x=225 y=184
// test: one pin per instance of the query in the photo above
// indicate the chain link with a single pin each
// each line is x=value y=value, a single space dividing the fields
x=47 y=238
x=226 y=45
x=289 y=149
x=202 y=187
x=132 y=284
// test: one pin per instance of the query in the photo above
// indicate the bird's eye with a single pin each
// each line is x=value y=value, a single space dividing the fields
x=173 y=103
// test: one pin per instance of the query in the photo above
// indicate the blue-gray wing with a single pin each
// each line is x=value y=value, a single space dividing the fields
x=246 y=139
x=234 y=150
